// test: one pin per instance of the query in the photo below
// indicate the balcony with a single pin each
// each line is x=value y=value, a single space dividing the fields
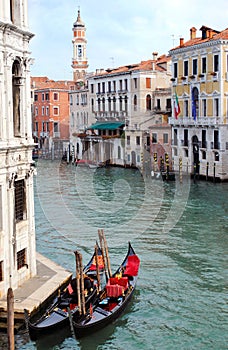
x=189 y=121
x=56 y=134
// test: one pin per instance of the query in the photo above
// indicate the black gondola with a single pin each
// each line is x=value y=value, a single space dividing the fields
x=57 y=315
x=113 y=298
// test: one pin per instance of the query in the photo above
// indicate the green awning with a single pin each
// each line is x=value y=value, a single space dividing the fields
x=105 y=126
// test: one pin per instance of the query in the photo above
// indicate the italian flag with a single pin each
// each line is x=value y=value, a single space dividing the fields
x=176 y=106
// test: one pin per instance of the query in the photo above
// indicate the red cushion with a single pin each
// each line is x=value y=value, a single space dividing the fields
x=114 y=290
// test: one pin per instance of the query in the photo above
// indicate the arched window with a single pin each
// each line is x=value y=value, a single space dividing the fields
x=99 y=104
x=148 y=103
x=109 y=104
x=16 y=92
x=103 y=104
x=135 y=103
x=92 y=104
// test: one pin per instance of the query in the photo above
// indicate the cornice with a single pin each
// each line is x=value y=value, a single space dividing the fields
x=11 y=27
x=197 y=47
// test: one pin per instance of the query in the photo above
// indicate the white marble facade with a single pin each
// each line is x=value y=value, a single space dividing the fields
x=17 y=227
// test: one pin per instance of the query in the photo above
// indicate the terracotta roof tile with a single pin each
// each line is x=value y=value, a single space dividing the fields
x=215 y=35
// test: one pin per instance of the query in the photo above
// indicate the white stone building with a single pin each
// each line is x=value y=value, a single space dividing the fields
x=17 y=231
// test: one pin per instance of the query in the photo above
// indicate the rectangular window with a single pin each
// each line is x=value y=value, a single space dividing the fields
x=47 y=96
x=109 y=86
x=103 y=87
x=186 y=108
x=194 y=66
x=158 y=104
x=56 y=110
x=185 y=68
x=216 y=63
x=43 y=96
x=138 y=140
x=121 y=85
x=47 y=111
x=175 y=72
x=135 y=83
x=1 y=271
x=148 y=83
x=216 y=107
x=175 y=137
x=21 y=259
x=185 y=137
x=36 y=126
x=216 y=139
x=56 y=127
x=92 y=88
x=36 y=97
x=42 y=110
x=125 y=82
x=165 y=138
x=154 y=138
x=36 y=111
x=168 y=103
x=204 y=65
x=114 y=86
x=128 y=140
x=56 y=96
x=204 y=107
x=204 y=139
x=20 y=200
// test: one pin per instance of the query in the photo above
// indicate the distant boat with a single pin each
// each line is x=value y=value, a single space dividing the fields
x=113 y=299
x=89 y=163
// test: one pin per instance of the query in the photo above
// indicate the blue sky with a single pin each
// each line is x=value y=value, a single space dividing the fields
x=118 y=32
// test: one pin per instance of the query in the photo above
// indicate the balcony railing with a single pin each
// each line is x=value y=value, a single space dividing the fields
x=187 y=121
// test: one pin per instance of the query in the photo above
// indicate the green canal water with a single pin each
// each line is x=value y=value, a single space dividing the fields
x=180 y=232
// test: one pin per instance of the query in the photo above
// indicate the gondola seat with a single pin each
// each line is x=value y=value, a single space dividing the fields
x=116 y=286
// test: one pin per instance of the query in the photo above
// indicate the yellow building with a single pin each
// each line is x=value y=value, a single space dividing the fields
x=200 y=86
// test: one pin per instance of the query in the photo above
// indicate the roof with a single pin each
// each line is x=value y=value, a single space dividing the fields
x=208 y=35
x=45 y=83
x=105 y=126
x=158 y=64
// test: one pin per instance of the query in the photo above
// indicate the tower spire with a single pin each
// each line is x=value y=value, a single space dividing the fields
x=79 y=61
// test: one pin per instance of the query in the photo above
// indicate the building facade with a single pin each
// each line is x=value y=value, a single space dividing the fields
x=17 y=229
x=51 y=115
x=121 y=105
x=200 y=82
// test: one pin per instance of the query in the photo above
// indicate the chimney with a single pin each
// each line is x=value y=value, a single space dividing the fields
x=210 y=32
x=181 y=42
x=193 y=33
x=155 y=56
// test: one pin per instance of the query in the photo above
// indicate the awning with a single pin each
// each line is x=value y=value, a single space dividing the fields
x=105 y=126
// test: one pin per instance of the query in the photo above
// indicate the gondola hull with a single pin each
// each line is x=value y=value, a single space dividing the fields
x=113 y=299
x=56 y=316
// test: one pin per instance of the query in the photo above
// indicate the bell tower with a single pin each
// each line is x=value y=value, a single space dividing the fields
x=79 y=61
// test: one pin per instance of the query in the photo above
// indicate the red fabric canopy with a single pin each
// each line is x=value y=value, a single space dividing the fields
x=132 y=266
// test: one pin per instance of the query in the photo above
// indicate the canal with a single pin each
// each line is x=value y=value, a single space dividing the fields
x=179 y=230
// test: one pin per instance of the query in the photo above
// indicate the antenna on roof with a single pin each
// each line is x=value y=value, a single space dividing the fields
x=112 y=59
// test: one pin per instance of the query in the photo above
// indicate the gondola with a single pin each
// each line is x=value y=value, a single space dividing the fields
x=56 y=316
x=113 y=298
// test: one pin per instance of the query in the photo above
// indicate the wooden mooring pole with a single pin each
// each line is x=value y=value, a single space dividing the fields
x=10 y=319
